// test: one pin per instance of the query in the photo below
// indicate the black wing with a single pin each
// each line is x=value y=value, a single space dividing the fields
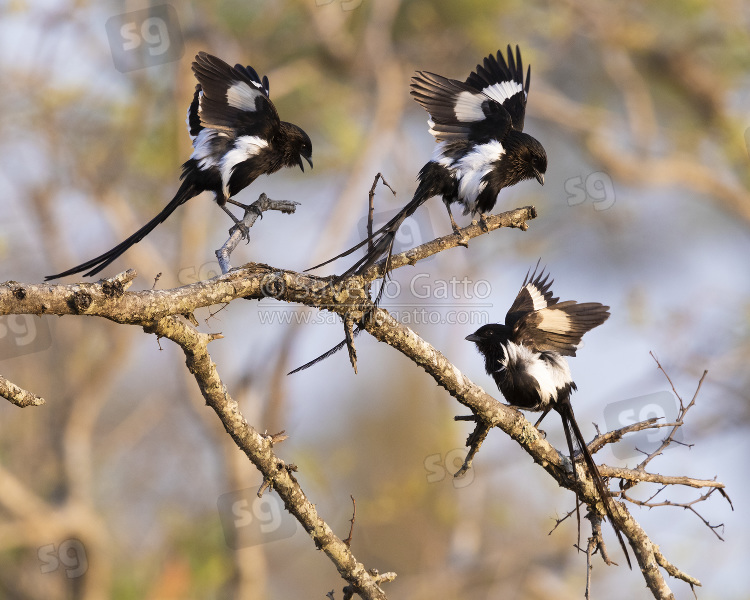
x=457 y=110
x=193 y=120
x=535 y=294
x=503 y=82
x=560 y=327
x=231 y=99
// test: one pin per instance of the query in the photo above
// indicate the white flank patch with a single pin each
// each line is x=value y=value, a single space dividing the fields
x=472 y=168
x=244 y=147
x=468 y=107
x=502 y=91
x=439 y=157
x=554 y=321
x=550 y=377
x=242 y=96
x=536 y=296
x=203 y=152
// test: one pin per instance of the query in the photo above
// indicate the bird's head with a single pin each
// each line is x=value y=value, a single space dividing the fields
x=535 y=159
x=305 y=152
x=490 y=340
x=489 y=335
x=526 y=156
x=300 y=146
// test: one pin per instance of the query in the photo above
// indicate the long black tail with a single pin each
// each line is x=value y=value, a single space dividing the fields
x=382 y=246
x=384 y=238
x=187 y=190
x=569 y=423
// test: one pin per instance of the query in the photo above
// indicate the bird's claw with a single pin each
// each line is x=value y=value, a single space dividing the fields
x=242 y=228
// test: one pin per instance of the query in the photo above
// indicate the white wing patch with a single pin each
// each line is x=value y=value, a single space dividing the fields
x=550 y=377
x=554 y=321
x=244 y=147
x=431 y=125
x=242 y=96
x=468 y=107
x=500 y=92
x=536 y=297
x=472 y=168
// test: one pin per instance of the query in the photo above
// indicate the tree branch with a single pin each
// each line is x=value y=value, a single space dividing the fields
x=259 y=449
x=17 y=395
x=156 y=311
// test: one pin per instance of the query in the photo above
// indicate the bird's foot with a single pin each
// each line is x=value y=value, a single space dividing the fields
x=238 y=225
x=242 y=228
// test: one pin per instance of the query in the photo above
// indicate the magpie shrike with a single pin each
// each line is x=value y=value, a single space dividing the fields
x=481 y=147
x=237 y=136
x=525 y=357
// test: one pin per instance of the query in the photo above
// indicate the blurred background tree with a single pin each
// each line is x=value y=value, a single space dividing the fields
x=643 y=109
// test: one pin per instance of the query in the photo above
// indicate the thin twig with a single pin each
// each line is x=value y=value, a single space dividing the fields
x=348 y=541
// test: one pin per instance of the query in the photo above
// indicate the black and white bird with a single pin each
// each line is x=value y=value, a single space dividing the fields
x=526 y=358
x=237 y=136
x=481 y=147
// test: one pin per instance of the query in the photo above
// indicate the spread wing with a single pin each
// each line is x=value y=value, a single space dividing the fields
x=233 y=100
x=458 y=111
x=503 y=82
x=560 y=327
x=535 y=294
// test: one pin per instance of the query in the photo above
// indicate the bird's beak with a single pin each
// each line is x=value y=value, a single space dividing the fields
x=473 y=337
x=540 y=177
x=301 y=164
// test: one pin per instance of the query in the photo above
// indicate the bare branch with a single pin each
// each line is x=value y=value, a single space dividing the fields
x=513 y=218
x=348 y=540
x=473 y=442
x=686 y=505
x=156 y=310
x=241 y=229
x=17 y=395
x=259 y=449
x=680 y=415
x=614 y=436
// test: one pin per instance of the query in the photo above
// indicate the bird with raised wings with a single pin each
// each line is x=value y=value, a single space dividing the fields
x=481 y=147
x=237 y=136
x=526 y=358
